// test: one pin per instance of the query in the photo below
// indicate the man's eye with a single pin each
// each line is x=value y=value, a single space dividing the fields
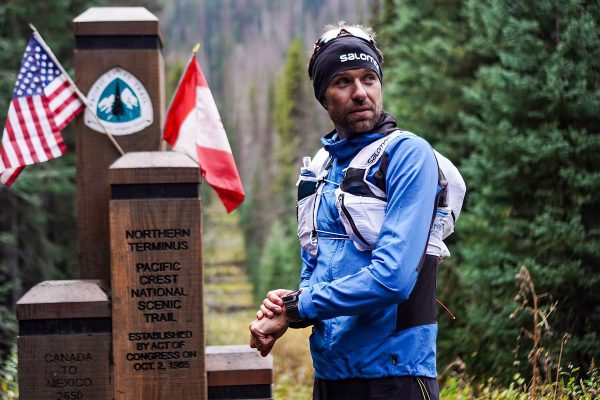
x=342 y=82
x=370 y=78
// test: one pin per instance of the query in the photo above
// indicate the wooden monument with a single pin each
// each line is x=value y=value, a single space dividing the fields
x=120 y=68
x=157 y=277
x=137 y=313
x=64 y=341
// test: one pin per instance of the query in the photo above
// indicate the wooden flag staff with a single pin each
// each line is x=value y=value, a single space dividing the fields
x=77 y=91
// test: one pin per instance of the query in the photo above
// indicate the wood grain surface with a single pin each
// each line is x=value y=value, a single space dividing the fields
x=237 y=365
x=95 y=153
x=65 y=299
x=157 y=286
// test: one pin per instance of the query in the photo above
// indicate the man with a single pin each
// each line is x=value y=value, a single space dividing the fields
x=367 y=286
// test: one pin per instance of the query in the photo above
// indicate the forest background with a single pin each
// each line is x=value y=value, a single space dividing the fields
x=507 y=90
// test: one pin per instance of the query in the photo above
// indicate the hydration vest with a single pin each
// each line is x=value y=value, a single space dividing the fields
x=362 y=204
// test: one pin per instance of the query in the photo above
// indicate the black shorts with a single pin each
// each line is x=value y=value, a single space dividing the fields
x=390 y=388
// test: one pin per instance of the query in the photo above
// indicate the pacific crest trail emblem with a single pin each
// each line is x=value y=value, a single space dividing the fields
x=121 y=102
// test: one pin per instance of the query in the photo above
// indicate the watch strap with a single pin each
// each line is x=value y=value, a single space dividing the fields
x=290 y=302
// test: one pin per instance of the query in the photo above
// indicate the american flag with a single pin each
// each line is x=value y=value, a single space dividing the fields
x=43 y=103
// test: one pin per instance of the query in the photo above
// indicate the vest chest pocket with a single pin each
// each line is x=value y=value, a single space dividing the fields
x=362 y=218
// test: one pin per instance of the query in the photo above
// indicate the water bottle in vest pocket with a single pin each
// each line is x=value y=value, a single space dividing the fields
x=442 y=227
x=304 y=212
x=307 y=188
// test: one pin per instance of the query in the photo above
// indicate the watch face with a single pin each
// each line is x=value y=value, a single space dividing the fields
x=289 y=299
x=293 y=296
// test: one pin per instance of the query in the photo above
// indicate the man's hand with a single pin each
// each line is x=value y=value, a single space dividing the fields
x=265 y=332
x=273 y=304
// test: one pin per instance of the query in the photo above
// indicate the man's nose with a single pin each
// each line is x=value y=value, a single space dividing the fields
x=359 y=93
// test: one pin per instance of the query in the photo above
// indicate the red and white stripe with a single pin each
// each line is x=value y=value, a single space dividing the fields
x=194 y=127
x=33 y=125
x=63 y=101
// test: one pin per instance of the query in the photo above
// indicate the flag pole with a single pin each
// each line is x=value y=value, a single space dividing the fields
x=81 y=96
x=163 y=145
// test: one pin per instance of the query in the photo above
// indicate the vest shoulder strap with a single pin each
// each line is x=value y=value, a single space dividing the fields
x=320 y=162
x=355 y=179
x=369 y=155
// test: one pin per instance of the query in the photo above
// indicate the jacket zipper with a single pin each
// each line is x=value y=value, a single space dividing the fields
x=351 y=221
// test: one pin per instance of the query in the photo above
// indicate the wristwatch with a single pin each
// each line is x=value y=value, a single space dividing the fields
x=290 y=302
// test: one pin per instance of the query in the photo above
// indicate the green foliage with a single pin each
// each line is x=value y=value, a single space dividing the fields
x=427 y=65
x=532 y=177
x=174 y=75
x=280 y=262
x=291 y=96
x=9 y=388
x=509 y=92
x=269 y=220
x=37 y=223
x=458 y=387
x=587 y=388
x=253 y=229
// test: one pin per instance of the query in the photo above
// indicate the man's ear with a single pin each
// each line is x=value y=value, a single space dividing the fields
x=324 y=104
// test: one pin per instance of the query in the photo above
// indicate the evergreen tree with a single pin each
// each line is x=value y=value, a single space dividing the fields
x=280 y=260
x=38 y=238
x=533 y=180
x=117 y=107
x=37 y=222
x=427 y=65
x=289 y=115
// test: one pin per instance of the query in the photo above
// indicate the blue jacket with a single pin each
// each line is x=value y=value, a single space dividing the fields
x=354 y=295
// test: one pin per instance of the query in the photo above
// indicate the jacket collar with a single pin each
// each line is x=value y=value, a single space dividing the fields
x=347 y=148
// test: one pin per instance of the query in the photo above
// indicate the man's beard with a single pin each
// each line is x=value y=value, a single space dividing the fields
x=343 y=119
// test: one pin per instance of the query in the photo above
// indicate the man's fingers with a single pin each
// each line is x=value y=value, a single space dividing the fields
x=274 y=296
x=259 y=315
x=262 y=340
x=266 y=352
x=267 y=312
x=265 y=341
x=258 y=338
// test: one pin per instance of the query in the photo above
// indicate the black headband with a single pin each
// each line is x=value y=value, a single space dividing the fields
x=339 y=55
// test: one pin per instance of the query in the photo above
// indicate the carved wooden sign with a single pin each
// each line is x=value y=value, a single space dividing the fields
x=157 y=277
x=64 y=342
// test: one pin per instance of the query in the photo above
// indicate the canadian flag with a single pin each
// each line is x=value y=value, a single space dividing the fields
x=194 y=127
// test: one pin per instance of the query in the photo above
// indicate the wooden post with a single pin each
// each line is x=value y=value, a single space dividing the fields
x=120 y=68
x=157 y=277
x=64 y=341
x=238 y=372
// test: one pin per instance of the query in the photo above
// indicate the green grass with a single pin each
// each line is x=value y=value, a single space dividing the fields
x=227 y=285
x=293 y=370
x=292 y=364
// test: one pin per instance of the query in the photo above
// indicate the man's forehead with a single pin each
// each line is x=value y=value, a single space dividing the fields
x=355 y=72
